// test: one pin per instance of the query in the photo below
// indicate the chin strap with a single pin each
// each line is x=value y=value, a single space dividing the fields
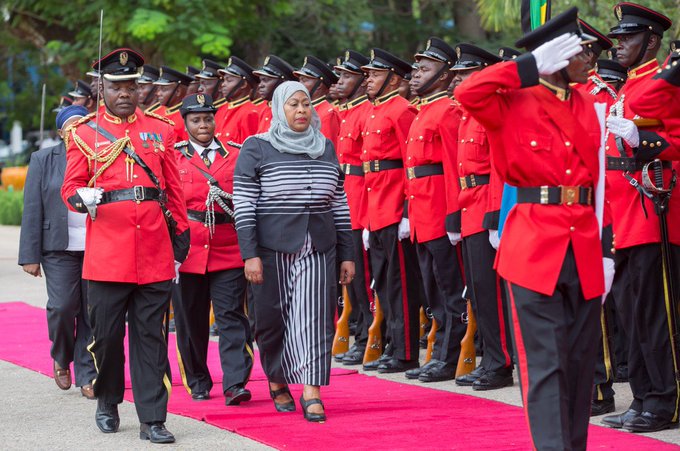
x=314 y=88
x=423 y=89
x=565 y=75
x=384 y=85
x=234 y=89
x=357 y=85
x=643 y=49
x=149 y=96
x=173 y=94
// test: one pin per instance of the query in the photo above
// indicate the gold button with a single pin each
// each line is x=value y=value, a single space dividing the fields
x=460 y=164
x=349 y=134
x=658 y=143
x=572 y=228
x=341 y=138
x=420 y=138
x=138 y=202
x=464 y=117
x=533 y=143
x=205 y=246
x=343 y=121
x=644 y=143
x=652 y=145
x=606 y=147
x=365 y=151
x=378 y=131
x=462 y=140
x=472 y=140
x=412 y=196
x=568 y=171
x=409 y=158
x=227 y=134
x=368 y=189
x=567 y=143
x=613 y=250
x=138 y=226
x=135 y=176
x=464 y=209
x=372 y=116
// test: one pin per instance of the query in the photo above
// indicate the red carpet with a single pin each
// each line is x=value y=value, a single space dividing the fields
x=364 y=412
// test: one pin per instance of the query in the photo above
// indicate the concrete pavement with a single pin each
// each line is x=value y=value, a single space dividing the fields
x=35 y=414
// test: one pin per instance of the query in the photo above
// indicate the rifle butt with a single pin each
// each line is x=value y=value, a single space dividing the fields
x=341 y=338
x=374 y=348
x=467 y=358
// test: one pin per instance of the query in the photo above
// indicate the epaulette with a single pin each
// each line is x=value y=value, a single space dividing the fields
x=181 y=144
x=173 y=109
x=220 y=102
x=82 y=120
x=158 y=116
x=153 y=107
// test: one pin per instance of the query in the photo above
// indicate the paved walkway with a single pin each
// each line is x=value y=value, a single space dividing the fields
x=35 y=414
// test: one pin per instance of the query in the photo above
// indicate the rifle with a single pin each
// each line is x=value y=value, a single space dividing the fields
x=375 y=343
x=423 y=322
x=467 y=358
x=341 y=339
x=430 y=340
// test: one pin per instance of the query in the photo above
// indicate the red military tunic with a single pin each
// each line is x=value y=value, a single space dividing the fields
x=265 y=119
x=237 y=120
x=547 y=141
x=432 y=135
x=219 y=252
x=631 y=227
x=384 y=134
x=175 y=116
x=133 y=235
x=350 y=145
x=330 y=121
x=474 y=159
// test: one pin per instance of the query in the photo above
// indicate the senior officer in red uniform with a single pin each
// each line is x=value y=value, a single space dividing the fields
x=238 y=118
x=384 y=150
x=551 y=252
x=274 y=71
x=351 y=88
x=318 y=77
x=636 y=227
x=431 y=135
x=479 y=231
x=129 y=253
x=213 y=269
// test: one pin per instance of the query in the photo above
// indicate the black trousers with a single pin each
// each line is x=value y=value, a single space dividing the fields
x=360 y=293
x=67 y=322
x=443 y=285
x=489 y=302
x=622 y=295
x=395 y=271
x=554 y=336
x=605 y=364
x=650 y=361
x=145 y=306
x=227 y=291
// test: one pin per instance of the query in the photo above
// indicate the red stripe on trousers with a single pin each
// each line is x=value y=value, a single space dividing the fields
x=522 y=360
x=501 y=320
x=404 y=301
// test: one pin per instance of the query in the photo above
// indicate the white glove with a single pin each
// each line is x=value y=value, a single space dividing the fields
x=176 y=278
x=554 y=55
x=608 y=264
x=404 y=230
x=454 y=238
x=494 y=239
x=90 y=196
x=624 y=128
x=364 y=237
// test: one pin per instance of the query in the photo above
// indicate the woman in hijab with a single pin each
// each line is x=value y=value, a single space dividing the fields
x=293 y=227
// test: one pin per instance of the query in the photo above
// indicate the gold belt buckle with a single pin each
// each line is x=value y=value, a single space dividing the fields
x=411 y=173
x=463 y=182
x=473 y=182
x=544 y=199
x=568 y=195
x=376 y=165
x=367 y=166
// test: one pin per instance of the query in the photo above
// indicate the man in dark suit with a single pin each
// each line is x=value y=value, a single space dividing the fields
x=53 y=237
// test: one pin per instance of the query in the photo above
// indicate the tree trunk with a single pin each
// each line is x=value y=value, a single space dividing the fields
x=467 y=20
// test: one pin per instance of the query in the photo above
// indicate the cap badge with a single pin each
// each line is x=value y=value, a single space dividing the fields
x=458 y=52
x=229 y=62
x=266 y=61
x=141 y=71
x=123 y=58
x=200 y=98
x=304 y=63
x=346 y=55
x=619 y=13
x=429 y=44
x=501 y=53
x=674 y=47
x=372 y=55
x=338 y=61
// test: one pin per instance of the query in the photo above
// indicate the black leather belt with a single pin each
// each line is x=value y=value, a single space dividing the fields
x=472 y=180
x=199 y=216
x=629 y=164
x=136 y=193
x=352 y=169
x=555 y=195
x=381 y=165
x=424 y=170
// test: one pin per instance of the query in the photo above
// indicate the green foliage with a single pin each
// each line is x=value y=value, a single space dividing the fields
x=11 y=207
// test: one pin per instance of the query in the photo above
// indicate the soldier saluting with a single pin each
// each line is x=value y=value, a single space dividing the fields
x=122 y=170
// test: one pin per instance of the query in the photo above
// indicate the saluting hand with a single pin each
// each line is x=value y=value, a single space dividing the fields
x=346 y=272
x=253 y=270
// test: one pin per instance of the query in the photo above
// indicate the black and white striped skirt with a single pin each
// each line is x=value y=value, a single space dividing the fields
x=294 y=311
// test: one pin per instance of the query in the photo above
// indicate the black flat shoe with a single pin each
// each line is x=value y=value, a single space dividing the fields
x=493 y=380
x=155 y=432
x=106 y=417
x=468 y=379
x=202 y=395
x=438 y=371
x=312 y=417
x=397 y=366
x=371 y=366
x=286 y=406
x=415 y=372
x=648 y=422
x=617 y=421
x=235 y=395
x=355 y=357
x=601 y=407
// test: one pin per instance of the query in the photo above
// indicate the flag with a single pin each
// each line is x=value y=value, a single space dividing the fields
x=533 y=14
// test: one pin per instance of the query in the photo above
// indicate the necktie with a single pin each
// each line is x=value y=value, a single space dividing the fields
x=206 y=157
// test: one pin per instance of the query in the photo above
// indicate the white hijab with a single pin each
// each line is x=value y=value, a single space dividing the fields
x=310 y=142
